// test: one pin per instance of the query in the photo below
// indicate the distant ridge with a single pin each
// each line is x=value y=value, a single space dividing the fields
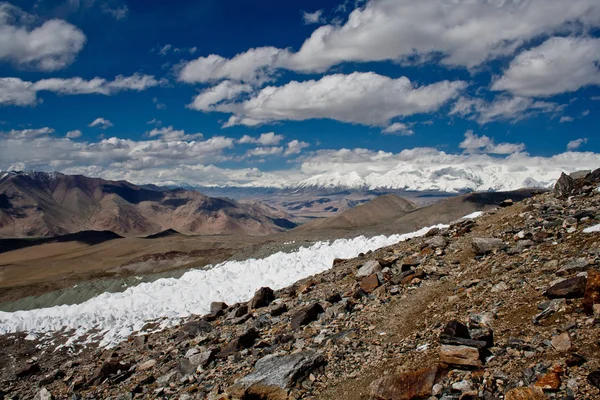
x=161 y=234
x=50 y=204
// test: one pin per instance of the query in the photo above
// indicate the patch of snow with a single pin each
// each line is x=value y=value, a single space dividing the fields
x=592 y=229
x=116 y=315
x=473 y=215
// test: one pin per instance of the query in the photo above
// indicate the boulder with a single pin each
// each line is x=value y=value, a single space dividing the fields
x=370 y=283
x=464 y=356
x=195 y=328
x=218 y=307
x=573 y=267
x=407 y=385
x=562 y=342
x=525 y=393
x=369 y=268
x=571 y=288
x=244 y=341
x=592 y=291
x=262 y=298
x=306 y=315
x=202 y=359
x=28 y=370
x=578 y=175
x=275 y=375
x=594 y=379
x=564 y=186
x=483 y=246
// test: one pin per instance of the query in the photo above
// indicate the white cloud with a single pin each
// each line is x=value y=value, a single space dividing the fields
x=313 y=18
x=50 y=46
x=576 y=144
x=566 y=118
x=502 y=108
x=559 y=65
x=210 y=97
x=26 y=133
x=484 y=144
x=164 y=50
x=265 y=139
x=15 y=91
x=74 y=134
x=170 y=134
x=295 y=147
x=399 y=128
x=117 y=13
x=364 y=98
x=101 y=122
x=264 y=151
x=254 y=66
x=461 y=33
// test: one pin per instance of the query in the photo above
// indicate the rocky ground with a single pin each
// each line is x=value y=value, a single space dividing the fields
x=505 y=306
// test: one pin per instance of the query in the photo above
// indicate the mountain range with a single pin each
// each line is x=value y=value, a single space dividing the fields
x=48 y=204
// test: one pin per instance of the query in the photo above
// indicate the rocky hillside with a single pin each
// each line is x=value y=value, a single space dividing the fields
x=49 y=204
x=504 y=306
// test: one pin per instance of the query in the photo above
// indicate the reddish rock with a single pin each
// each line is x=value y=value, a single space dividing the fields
x=551 y=380
x=370 y=283
x=408 y=385
x=592 y=291
x=525 y=393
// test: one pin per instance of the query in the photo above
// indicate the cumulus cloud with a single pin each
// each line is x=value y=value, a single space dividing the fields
x=50 y=46
x=559 y=65
x=313 y=17
x=26 y=133
x=254 y=66
x=398 y=128
x=502 y=108
x=210 y=97
x=264 y=151
x=295 y=147
x=363 y=98
x=458 y=33
x=265 y=139
x=484 y=144
x=74 y=134
x=101 y=123
x=15 y=91
x=170 y=134
x=576 y=144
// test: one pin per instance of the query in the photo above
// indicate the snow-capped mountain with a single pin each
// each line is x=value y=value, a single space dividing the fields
x=444 y=178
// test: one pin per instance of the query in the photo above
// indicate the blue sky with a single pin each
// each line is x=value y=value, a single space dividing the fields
x=481 y=81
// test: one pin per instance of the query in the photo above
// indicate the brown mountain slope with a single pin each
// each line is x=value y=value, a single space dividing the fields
x=386 y=214
x=374 y=212
x=48 y=204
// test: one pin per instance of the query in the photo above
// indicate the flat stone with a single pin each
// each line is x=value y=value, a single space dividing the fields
x=525 y=393
x=274 y=376
x=369 y=268
x=570 y=288
x=306 y=315
x=573 y=267
x=407 y=385
x=370 y=283
x=202 y=359
x=562 y=342
x=592 y=291
x=146 y=365
x=460 y=355
x=262 y=298
x=483 y=246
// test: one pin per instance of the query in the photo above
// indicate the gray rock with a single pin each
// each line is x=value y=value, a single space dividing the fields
x=43 y=394
x=564 y=186
x=275 y=375
x=483 y=246
x=369 y=268
x=218 y=307
x=436 y=242
x=202 y=359
x=580 y=174
x=306 y=315
x=577 y=265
